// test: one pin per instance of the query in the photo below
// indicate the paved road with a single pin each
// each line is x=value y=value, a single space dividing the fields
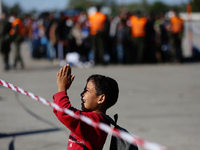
x=159 y=103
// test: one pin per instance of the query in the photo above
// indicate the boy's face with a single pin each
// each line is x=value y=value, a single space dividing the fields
x=89 y=97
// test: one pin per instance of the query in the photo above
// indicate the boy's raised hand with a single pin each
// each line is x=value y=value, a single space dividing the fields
x=64 y=78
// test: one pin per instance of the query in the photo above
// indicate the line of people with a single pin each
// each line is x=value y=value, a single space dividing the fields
x=96 y=38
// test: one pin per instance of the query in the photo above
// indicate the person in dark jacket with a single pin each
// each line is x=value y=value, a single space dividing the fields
x=5 y=40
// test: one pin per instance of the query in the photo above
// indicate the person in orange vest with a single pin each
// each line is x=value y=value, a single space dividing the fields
x=138 y=31
x=97 y=26
x=177 y=28
x=18 y=32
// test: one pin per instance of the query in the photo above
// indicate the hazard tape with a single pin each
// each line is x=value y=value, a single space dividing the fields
x=110 y=130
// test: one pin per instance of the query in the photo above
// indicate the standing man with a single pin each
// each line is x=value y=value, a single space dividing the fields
x=138 y=31
x=97 y=26
x=63 y=30
x=177 y=28
x=18 y=32
x=5 y=40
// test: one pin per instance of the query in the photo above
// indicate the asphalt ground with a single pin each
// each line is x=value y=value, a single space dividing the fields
x=159 y=103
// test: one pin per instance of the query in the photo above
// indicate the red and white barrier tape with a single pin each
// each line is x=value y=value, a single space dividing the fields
x=118 y=133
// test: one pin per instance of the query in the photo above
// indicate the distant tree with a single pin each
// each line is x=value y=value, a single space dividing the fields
x=134 y=6
x=159 y=7
x=179 y=8
x=16 y=9
x=195 y=5
x=81 y=4
x=32 y=11
x=145 y=5
x=5 y=8
x=85 y=4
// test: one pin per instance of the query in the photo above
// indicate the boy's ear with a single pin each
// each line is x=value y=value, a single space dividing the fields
x=102 y=99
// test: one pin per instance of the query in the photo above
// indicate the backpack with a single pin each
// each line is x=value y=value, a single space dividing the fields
x=116 y=142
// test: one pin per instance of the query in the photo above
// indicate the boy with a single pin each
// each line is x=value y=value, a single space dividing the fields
x=99 y=94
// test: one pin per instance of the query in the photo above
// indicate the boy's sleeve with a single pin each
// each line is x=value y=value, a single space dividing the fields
x=62 y=100
x=56 y=98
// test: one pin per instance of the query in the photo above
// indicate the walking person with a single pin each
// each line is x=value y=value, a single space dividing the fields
x=18 y=32
x=5 y=40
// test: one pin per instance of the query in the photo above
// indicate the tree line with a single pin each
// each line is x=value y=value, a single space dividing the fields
x=143 y=5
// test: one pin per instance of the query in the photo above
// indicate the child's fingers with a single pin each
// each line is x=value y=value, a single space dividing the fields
x=68 y=70
x=64 y=70
x=61 y=71
x=72 y=78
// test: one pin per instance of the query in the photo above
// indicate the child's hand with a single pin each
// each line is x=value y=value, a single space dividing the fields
x=64 y=78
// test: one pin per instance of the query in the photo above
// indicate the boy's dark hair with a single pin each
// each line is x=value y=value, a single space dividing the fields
x=105 y=85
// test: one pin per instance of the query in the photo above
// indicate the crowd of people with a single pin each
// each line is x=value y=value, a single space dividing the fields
x=95 y=38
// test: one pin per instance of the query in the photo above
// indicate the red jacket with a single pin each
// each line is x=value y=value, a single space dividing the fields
x=93 y=138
